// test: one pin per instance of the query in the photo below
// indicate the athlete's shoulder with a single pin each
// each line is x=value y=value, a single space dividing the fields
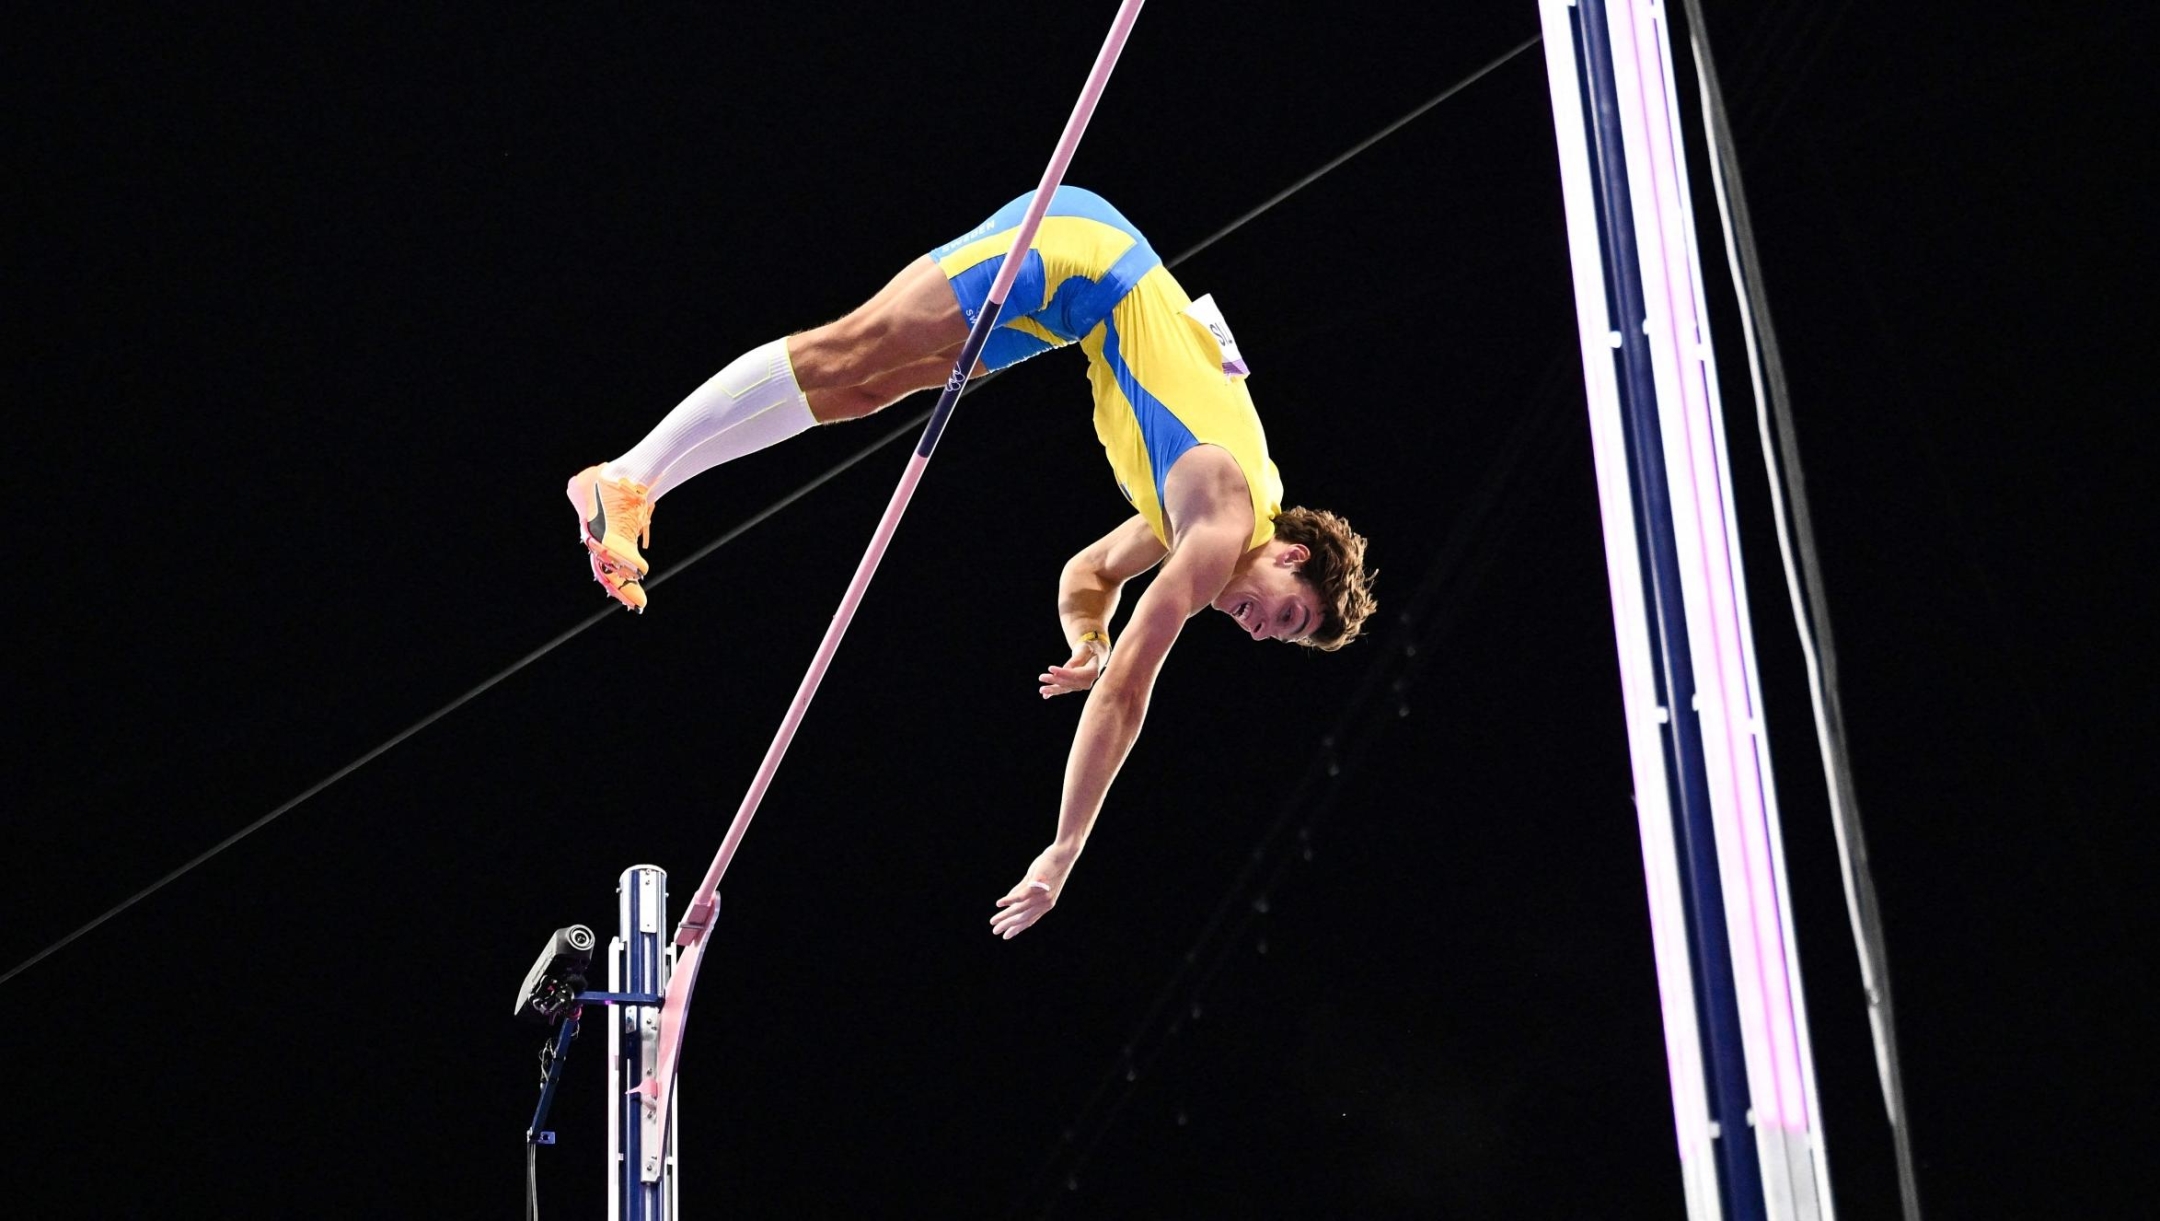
x=1206 y=492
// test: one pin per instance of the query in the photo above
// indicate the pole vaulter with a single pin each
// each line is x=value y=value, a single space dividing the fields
x=697 y=920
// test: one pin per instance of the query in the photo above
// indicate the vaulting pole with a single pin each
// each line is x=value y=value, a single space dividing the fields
x=656 y=1089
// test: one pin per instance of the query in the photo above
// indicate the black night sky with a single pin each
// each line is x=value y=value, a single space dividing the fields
x=313 y=310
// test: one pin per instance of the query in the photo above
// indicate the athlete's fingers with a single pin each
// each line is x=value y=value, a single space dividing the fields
x=1011 y=923
x=1022 y=906
x=1064 y=680
x=1022 y=901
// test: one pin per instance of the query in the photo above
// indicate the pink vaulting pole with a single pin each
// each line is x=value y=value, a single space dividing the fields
x=697 y=920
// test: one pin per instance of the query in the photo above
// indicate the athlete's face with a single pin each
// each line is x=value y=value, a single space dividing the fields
x=1268 y=598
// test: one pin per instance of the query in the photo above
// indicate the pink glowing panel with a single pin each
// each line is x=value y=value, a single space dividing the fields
x=1677 y=329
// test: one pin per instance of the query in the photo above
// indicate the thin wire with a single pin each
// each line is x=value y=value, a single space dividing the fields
x=1765 y=122
x=444 y=711
x=1360 y=147
x=1756 y=65
x=909 y=428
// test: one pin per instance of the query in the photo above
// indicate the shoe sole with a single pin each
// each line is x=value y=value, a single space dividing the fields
x=605 y=561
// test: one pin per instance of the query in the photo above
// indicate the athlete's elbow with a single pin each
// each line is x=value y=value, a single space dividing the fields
x=1123 y=700
x=1084 y=573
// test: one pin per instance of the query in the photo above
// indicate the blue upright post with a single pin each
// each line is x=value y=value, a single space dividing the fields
x=641 y=1171
x=1716 y=1002
x=1747 y=1120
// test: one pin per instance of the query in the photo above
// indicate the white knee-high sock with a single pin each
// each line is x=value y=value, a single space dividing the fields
x=752 y=403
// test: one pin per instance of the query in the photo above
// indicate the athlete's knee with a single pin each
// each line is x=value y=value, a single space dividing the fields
x=833 y=404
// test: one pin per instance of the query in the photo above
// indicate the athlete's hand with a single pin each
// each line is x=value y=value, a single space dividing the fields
x=1036 y=894
x=1088 y=662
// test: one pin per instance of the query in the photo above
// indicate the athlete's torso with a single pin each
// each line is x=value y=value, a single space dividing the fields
x=1160 y=390
x=1158 y=372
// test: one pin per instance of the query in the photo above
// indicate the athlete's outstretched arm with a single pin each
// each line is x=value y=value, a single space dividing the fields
x=1088 y=592
x=1117 y=706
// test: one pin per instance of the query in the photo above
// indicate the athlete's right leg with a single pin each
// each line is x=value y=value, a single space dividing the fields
x=781 y=388
x=902 y=340
x=875 y=355
x=838 y=403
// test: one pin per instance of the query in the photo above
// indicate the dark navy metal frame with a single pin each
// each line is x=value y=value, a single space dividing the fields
x=564 y=1036
x=1716 y=998
x=535 y=1134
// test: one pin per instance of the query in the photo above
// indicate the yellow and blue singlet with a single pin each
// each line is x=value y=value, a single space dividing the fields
x=1157 y=372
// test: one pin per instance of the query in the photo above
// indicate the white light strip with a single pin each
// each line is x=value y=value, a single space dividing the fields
x=1638 y=685
x=1742 y=791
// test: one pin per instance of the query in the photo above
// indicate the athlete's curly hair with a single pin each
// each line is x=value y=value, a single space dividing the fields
x=1336 y=568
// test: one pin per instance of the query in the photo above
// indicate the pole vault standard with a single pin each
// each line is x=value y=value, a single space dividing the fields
x=1736 y=1038
x=656 y=1089
x=639 y=960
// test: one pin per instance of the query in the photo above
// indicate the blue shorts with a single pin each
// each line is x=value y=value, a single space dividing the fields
x=1159 y=381
x=1085 y=258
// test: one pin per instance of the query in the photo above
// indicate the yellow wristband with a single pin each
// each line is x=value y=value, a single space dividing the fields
x=1087 y=636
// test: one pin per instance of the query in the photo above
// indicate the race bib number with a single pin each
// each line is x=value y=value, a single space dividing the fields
x=1205 y=312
